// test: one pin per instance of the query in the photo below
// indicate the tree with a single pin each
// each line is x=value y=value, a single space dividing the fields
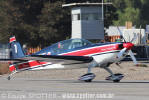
x=54 y=23
x=8 y=19
x=144 y=12
x=127 y=10
x=43 y=22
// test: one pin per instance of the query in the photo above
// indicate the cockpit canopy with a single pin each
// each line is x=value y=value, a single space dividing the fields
x=65 y=45
x=72 y=43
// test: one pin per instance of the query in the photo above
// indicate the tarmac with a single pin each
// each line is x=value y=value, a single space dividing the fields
x=36 y=86
x=47 y=89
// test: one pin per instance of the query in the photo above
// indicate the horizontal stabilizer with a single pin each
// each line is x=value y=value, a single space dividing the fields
x=13 y=60
x=59 y=59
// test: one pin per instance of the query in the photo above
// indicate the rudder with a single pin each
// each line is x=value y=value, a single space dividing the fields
x=16 y=50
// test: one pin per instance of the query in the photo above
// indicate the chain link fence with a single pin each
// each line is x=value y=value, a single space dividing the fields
x=4 y=51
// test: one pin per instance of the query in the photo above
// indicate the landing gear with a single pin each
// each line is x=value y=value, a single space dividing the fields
x=117 y=77
x=87 y=77
x=113 y=77
x=9 y=77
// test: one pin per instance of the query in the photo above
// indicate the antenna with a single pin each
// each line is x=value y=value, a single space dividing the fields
x=102 y=11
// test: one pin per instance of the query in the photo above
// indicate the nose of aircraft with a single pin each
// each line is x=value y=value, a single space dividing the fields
x=128 y=45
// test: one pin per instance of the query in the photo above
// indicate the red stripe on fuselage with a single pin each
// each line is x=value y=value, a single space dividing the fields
x=93 y=50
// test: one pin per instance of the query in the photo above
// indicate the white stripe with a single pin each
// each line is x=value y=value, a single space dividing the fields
x=40 y=67
x=102 y=52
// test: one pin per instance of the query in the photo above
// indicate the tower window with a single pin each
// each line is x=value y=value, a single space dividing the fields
x=75 y=17
x=90 y=16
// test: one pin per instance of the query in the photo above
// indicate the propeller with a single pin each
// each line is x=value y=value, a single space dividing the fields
x=120 y=54
x=121 y=34
x=133 y=57
x=127 y=47
x=134 y=38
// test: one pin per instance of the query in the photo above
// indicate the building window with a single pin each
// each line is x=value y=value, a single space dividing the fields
x=75 y=17
x=90 y=16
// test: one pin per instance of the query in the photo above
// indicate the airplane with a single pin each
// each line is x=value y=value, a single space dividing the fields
x=71 y=53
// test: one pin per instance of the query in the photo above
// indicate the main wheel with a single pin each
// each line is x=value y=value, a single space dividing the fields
x=87 y=77
x=88 y=80
x=116 y=81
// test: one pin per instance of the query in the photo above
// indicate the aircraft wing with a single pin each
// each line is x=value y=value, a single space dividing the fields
x=55 y=59
x=64 y=60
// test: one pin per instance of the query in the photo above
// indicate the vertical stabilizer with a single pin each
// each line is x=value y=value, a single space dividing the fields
x=15 y=49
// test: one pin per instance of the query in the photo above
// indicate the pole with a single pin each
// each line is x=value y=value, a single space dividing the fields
x=102 y=11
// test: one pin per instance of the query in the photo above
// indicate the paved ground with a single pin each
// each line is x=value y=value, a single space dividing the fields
x=63 y=85
x=47 y=89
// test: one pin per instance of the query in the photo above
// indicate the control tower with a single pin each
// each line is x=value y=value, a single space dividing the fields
x=87 y=20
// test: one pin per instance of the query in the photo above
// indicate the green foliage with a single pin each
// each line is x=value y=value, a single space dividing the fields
x=8 y=18
x=132 y=10
x=54 y=22
x=43 y=22
x=34 y=20
x=130 y=14
x=145 y=12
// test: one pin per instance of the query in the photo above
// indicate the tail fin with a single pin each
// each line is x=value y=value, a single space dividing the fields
x=15 y=49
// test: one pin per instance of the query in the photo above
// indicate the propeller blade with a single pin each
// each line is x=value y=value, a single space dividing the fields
x=135 y=37
x=121 y=34
x=121 y=52
x=133 y=57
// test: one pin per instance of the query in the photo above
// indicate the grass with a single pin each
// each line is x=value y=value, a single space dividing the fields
x=4 y=68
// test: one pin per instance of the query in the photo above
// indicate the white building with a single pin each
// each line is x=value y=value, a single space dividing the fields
x=128 y=34
x=140 y=34
x=113 y=30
